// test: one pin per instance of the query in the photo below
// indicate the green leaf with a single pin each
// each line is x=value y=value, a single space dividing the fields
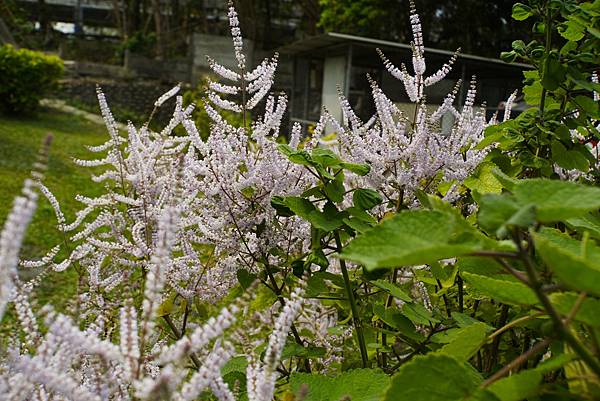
x=366 y=199
x=278 y=203
x=395 y=319
x=589 y=222
x=569 y=159
x=433 y=377
x=166 y=307
x=328 y=220
x=588 y=311
x=293 y=349
x=521 y=12
x=500 y=289
x=463 y=320
x=593 y=31
x=299 y=206
x=245 y=278
x=467 y=341
x=418 y=314
x=499 y=212
x=335 y=190
x=557 y=200
x=357 y=384
x=412 y=237
x=588 y=105
x=575 y=263
x=518 y=386
x=553 y=72
x=483 y=180
x=325 y=157
x=295 y=156
x=572 y=30
x=392 y=289
x=358 y=169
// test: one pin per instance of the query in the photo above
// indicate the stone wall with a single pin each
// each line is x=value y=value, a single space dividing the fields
x=131 y=99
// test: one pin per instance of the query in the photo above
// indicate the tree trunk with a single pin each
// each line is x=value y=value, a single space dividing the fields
x=158 y=30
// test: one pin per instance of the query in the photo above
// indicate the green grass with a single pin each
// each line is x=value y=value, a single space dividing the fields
x=20 y=140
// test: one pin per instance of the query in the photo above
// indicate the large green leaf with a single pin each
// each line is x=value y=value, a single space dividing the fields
x=366 y=199
x=557 y=200
x=328 y=220
x=589 y=311
x=483 y=180
x=412 y=237
x=467 y=341
x=501 y=289
x=392 y=289
x=589 y=222
x=517 y=387
x=575 y=263
x=553 y=72
x=499 y=212
x=358 y=385
x=433 y=377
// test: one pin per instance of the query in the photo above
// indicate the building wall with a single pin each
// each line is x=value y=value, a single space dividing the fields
x=220 y=48
x=334 y=76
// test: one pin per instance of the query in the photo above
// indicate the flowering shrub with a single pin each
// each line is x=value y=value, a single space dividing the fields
x=396 y=262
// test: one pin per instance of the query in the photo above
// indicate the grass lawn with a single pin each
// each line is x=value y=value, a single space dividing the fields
x=20 y=139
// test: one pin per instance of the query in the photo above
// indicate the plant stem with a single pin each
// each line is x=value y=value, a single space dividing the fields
x=514 y=323
x=518 y=361
x=493 y=358
x=559 y=324
x=548 y=28
x=461 y=289
x=179 y=335
x=355 y=318
x=388 y=303
x=277 y=290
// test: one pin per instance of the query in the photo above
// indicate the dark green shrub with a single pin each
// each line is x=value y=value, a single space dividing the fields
x=25 y=77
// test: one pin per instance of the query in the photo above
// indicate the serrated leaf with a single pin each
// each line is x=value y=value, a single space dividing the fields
x=499 y=212
x=502 y=290
x=518 y=386
x=418 y=314
x=466 y=341
x=392 y=289
x=483 y=180
x=553 y=72
x=574 y=263
x=245 y=278
x=278 y=203
x=335 y=190
x=293 y=349
x=366 y=199
x=464 y=320
x=589 y=223
x=357 y=384
x=433 y=377
x=557 y=200
x=588 y=312
x=569 y=159
x=588 y=105
x=412 y=237
x=358 y=169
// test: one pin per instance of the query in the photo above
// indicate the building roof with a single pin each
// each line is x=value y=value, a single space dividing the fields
x=332 y=39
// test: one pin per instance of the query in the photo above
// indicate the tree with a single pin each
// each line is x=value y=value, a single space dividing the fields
x=476 y=26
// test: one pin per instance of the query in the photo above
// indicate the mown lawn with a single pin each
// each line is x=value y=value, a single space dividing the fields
x=20 y=140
